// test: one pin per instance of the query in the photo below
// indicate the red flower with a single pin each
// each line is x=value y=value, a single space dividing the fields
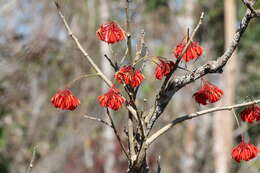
x=250 y=113
x=137 y=79
x=208 y=93
x=163 y=69
x=244 y=151
x=112 y=99
x=65 y=100
x=110 y=32
x=193 y=51
x=130 y=76
x=200 y=97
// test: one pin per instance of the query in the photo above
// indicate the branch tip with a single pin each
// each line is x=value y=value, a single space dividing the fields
x=57 y=5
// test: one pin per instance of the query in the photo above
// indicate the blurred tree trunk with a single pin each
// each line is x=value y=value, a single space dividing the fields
x=223 y=121
x=188 y=158
x=108 y=134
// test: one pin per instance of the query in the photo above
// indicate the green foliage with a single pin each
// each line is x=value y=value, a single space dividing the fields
x=4 y=162
x=250 y=59
x=4 y=165
x=213 y=24
x=153 y=5
x=159 y=51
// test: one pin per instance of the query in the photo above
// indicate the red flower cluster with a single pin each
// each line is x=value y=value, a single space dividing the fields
x=65 y=100
x=193 y=51
x=110 y=33
x=250 y=114
x=244 y=151
x=129 y=75
x=208 y=93
x=163 y=69
x=112 y=99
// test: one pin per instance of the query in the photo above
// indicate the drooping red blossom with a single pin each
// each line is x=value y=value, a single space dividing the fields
x=110 y=33
x=130 y=76
x=200 y=97
x=112 y=99
x=65 y=100
x=244 y=151
x=193 y=51
x=208 y=93
x=137 y=78
x=250 y=114
x=163 y=69
x=258 y=113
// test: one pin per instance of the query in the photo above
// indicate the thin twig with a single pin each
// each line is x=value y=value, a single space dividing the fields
x=128 y=30
x=167 y=127
x=235 y=115
x=116 y=133
x=159 y=164
x=115 y=67
x=123 y=58
x=98 y=120
x=32 y=160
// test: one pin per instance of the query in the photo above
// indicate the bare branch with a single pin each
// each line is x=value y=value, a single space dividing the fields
x=79 y=46
x=167 y=127
x=249 y=4
x=117 y=135
x=115 y=66
x=32 y=160
x=98 y=120
x=131 y=137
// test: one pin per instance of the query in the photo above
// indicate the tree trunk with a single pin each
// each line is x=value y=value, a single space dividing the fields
x=108 y=149
x=143 y=168
x=188 y=163
x=223 y=121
